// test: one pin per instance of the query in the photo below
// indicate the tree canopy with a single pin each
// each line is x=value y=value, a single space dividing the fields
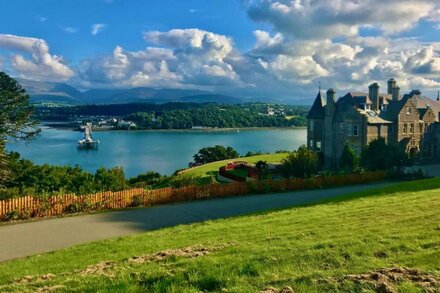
x=212 y=154
x=300 y=163
x=378 y=155
x=15 y=118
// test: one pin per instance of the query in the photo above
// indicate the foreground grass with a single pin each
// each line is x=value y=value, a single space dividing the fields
x=308 y=248
x=211 y=169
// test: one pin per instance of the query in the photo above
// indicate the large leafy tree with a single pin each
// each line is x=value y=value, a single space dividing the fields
x=300 y=163
x=378 y=155
x=212 y=154
x=15 y=118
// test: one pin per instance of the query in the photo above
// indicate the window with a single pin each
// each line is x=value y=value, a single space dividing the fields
x=420 y=128
x=311 y=125
x=411 y=128
x=341 y=127
x=405 y=128
x=318 y=145
x=349 y=129
x=311 y=144
x=355 y=130
x=408 y=110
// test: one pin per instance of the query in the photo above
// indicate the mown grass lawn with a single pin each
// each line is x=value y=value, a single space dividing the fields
x=311 y=249
x=211 y=169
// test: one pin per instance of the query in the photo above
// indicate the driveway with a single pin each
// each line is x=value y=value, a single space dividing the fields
x=25 y=239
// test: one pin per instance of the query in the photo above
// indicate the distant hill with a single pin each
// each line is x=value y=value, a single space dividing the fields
x=52 y=92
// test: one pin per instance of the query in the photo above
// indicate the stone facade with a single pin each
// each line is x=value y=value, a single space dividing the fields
x=357 y=118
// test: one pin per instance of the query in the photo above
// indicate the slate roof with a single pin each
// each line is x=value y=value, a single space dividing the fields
x=318 y=108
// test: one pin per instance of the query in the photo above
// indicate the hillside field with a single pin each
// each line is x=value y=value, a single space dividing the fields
x=384 y=239
x=211 y=169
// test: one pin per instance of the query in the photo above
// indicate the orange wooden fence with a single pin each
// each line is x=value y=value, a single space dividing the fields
x=29 y=206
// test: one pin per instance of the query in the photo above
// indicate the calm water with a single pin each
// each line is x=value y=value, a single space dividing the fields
x=141 y=151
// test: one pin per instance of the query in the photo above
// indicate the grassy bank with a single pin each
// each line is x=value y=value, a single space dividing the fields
x=323 y=248
x=211 y=169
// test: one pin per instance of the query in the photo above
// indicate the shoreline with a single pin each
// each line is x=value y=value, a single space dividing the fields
x=51 y=125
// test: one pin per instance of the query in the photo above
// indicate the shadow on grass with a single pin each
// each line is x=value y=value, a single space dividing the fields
x=156 y=217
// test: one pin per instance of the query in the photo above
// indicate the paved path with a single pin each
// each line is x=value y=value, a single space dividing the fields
x=30 y=238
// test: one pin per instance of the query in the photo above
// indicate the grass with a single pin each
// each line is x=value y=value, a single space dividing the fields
x=211 y=169
x=309 y=248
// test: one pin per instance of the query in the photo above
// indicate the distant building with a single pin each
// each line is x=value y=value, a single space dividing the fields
x=411 y=120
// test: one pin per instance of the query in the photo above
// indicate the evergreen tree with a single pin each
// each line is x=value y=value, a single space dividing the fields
x=349 y=160
x=15 y=118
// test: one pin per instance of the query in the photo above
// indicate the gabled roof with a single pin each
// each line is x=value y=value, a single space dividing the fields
x=318 y=108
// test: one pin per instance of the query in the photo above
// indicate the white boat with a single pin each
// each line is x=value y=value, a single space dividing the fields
x=88 y=142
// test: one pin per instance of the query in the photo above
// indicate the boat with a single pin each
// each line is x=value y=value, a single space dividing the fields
x=88 y=142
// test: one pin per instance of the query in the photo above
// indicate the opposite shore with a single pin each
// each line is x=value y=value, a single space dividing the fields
x=68 y=126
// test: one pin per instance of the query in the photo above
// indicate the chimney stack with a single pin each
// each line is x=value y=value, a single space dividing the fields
x=373 y=92
x=391 y=84
x=396 y=93
x=330 y=101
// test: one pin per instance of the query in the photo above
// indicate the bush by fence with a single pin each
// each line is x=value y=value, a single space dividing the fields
x=31 y=207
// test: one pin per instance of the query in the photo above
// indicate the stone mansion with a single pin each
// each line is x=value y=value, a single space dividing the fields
x=411 y=120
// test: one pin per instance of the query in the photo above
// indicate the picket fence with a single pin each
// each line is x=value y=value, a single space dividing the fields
x=30 y=206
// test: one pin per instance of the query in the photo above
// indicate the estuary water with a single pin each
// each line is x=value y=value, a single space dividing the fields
x=141 y=151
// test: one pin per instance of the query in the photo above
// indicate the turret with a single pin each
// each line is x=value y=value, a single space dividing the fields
x=391 y=84
x=373 y=92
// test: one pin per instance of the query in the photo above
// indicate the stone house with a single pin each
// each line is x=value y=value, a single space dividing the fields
x=357 y=118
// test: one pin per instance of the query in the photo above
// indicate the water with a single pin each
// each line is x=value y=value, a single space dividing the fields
x=141 y=151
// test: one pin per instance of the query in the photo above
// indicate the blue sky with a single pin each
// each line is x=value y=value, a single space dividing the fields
x=276 y=48
x=125 y=22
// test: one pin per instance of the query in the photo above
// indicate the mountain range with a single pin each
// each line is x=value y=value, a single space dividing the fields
x=61 y=93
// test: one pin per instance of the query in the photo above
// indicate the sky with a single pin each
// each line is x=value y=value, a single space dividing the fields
x=250 y=48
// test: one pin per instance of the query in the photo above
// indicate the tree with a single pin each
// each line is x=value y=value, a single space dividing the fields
x=212 y=154
x=15 y=118
x=262 y=168
x=348 y=161
x=110 y=179
x=378 y=155
x=300 y=163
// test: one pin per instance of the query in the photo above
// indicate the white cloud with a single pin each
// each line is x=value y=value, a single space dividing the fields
x=40 y=65
x=181 y=58
x=42 y=18
x=314 y=19
x=70 y=29
x=97 y=28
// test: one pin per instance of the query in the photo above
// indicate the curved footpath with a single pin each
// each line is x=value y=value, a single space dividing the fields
x=25 y=239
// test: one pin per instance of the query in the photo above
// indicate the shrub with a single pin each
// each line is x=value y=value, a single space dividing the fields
x=349 y=160
x=300 y=163
x=378 y=155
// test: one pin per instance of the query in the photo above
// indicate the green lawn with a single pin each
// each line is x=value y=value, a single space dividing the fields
x=314 y=248
x=211 y=169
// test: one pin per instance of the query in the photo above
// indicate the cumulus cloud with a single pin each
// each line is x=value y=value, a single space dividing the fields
x=182 y=58
x=97 y=28
x=314 y=19
x=40 y=65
